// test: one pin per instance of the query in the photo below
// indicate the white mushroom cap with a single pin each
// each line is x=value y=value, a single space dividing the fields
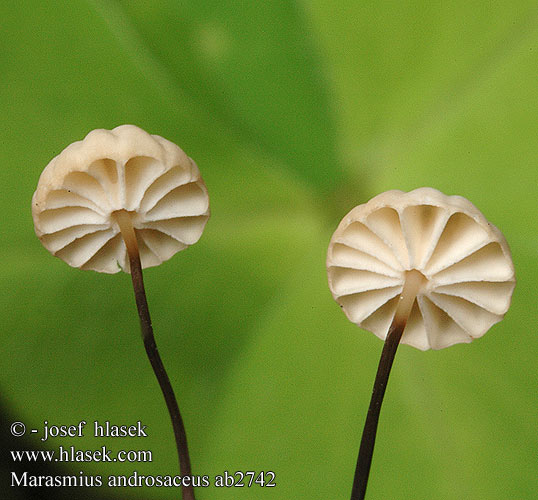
x=468 y=274
x=121 y=169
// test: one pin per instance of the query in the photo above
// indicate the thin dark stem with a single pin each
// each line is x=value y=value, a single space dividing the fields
x=413 y=282
x=366 y=449
x=152 y=351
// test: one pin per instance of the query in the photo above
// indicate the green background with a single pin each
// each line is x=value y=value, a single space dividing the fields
x=295 y=112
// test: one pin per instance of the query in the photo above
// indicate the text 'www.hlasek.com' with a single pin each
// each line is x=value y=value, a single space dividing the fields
x=134 y=479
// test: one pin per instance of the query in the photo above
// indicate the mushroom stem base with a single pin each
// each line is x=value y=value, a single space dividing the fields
x=129 y=236
x=413 y=282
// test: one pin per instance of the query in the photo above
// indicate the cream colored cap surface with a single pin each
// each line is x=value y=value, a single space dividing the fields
x=466 y=263
x=121 y=169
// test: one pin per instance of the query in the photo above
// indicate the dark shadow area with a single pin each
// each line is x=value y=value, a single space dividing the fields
x=12 y=471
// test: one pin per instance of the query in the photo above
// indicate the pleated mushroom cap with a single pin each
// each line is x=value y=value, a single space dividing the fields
x=467 y=269
x=121 y=169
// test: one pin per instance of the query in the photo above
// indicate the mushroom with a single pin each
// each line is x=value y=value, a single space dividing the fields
x=124 y=200
x=420 y=268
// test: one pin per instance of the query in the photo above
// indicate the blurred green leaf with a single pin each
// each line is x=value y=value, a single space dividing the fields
x=250 y=66
x=295 y=112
